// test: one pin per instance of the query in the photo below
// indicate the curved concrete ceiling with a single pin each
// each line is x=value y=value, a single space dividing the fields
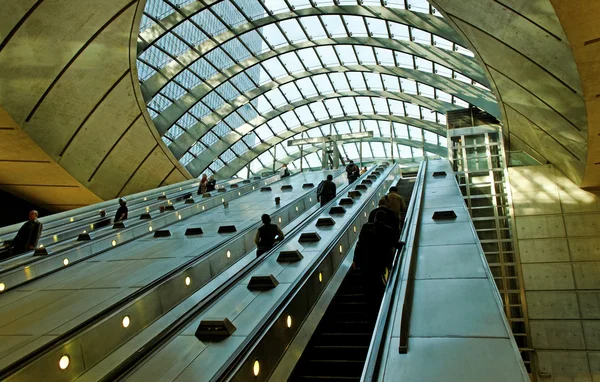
x=531 y=67
x=581 y=24
x=69 y=81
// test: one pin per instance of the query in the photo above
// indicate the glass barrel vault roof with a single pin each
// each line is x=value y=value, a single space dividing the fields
x=228 y=83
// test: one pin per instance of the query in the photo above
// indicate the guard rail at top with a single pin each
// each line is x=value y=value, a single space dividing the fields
x=402 y=260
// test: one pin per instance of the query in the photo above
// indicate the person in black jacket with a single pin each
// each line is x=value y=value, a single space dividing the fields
x=29 y=234
x=326 y=190
x=122 y=212
x=352 y=171
x=211 y=184
x=374 y=255
x=267 y=235
x=286 y=172
x=390 y=217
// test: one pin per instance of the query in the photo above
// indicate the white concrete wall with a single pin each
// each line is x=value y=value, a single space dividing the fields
x=558 y=233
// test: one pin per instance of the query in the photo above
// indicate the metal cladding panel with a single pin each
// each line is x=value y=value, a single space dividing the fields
x=457 y=316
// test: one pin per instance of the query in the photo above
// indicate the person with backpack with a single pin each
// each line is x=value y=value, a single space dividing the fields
x=267 y=235
x=352 y=171
x=326 y=190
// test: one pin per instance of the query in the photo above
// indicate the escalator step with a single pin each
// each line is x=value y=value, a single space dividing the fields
x=324 y=378
x=333 y=368
x=343 y=339
x=358 y=353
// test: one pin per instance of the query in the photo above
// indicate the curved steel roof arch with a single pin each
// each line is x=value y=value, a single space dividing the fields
x=234 y=166
x=195 y=133
x=469 y=93
x=154 y=84
x=426 y=22
x=201 y=162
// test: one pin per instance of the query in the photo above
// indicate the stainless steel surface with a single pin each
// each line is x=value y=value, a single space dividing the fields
x=111 y=238
x=458 y=330
x=244 y=307
x=88 y=287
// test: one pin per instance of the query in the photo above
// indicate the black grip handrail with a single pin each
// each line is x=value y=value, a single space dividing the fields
x=409 y=237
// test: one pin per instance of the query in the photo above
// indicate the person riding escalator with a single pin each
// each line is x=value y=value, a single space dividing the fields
x=374 y=255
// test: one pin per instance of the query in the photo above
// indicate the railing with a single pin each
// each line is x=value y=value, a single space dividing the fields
x=382 y=328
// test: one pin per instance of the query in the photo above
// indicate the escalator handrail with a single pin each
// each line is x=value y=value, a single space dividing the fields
x=121 y=371
x=30 y=258
x=107 y=312
x=230 y=367
x=409 y=237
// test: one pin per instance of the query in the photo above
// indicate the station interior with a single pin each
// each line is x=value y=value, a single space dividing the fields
x=482 y=115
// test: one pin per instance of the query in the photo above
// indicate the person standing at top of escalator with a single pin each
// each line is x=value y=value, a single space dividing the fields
x=374 y=255
x=29 y=234
x=202 y=187
x=211 y=184
x=122 y=212
x=267 y=235
x=352 y=171
x=326 y=190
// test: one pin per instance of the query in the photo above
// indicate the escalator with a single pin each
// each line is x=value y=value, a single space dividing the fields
x=338 y=348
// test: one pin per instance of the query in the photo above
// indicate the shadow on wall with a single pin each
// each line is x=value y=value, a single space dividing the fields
x=15 y=210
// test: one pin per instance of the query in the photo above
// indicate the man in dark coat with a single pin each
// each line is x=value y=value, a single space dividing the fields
x=374 y=255
x=123 y=212
x=28 y=236
x=267 y=235
x=352 y=171
x=326 y=190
